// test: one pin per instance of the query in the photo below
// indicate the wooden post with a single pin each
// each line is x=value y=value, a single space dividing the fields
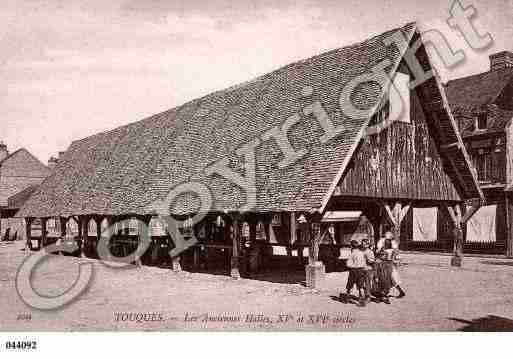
x=459 y=220
x=293 y=226
x=81 y=235
x=509 y=227
x=455 y=214
x=376 y=226
x=98 y=222
x=43 y=240
x=313 y=243
x=195 y=257
x=315 y=269
x=141 y=228
x=110 y=233
x=86 y=243
x=234 y=272
x=374 y=214
x=28 y=232
x=268 y=249
x=63 y=222
x=253 y=252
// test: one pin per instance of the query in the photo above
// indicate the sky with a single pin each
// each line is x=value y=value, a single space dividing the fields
x=70 y=69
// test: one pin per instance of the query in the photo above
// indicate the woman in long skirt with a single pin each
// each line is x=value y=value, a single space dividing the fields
x=388 y=252
x=383 y=279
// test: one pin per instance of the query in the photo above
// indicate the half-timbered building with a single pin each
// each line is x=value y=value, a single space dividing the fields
x=483 y=108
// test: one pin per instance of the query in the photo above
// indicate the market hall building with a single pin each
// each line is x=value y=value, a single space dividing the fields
x=277 y=156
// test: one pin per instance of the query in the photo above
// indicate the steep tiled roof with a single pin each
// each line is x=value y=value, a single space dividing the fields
x=17 y=200
x=18 y=171
x=125 y=170
x=468 y=93
x=10 y=155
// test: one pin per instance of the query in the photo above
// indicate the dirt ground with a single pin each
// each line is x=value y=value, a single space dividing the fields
x=478 y=296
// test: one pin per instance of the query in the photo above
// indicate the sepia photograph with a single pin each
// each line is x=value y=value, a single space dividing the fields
x=255 y=166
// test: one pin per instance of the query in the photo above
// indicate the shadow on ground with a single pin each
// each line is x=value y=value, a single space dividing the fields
x=498 y=263
x=490 y=323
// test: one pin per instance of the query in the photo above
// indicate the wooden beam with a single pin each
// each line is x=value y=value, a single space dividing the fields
x=390 y=214
x=397 y=213
x=451 y=146
x=403 y=212
x=452 y=215
x=433 y=105
x=471 y=211
x=457 y=171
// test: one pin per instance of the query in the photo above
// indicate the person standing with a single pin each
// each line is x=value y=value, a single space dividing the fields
x=388 y=251
x=368 y=254
x=356 y=265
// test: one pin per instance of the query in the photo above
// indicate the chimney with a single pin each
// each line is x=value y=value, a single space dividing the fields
x=501 y=60
x=61 y=155
x=3 y=151
x=52 y=162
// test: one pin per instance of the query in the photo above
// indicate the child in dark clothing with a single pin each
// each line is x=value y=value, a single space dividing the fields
x=369 y=267
x=356 y=264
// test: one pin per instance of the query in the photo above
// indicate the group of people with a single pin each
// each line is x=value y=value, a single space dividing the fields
x=375 y=273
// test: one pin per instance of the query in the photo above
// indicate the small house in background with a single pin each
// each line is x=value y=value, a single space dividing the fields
x=21 y=173
x=482 y=105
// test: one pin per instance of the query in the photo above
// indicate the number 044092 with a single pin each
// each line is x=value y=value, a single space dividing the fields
x=20 y=345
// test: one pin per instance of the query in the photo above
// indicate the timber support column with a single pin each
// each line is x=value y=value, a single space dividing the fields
x=63 y=222
x=268 y=249
x=234 y=271
x=315 y=269
x=396 y=215
x=374 y=214
x=28 y=232
x=82 y=232
x=459 y=220
x=44 y=233
x=509 y=227
x=144 y=231
x=98 y=221
x=253 y=256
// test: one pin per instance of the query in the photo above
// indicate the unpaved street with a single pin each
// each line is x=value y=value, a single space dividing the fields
x=477 y=296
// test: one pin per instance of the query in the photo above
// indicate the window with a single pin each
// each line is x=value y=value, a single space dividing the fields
x=482 y=162
x=481 y=121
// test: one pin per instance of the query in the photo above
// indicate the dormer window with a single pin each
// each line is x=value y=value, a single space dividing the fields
x=481 y=122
